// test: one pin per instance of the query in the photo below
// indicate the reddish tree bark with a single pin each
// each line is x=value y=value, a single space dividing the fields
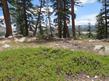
x=73 y=18
x=59 y=19
x=64 y=17
x=7 y=18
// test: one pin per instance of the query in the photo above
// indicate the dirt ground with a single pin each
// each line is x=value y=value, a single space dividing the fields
x=85 y=45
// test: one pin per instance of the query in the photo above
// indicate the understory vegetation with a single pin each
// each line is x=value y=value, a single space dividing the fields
x=49 y=64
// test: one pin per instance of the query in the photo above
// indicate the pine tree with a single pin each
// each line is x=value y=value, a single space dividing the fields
x=105 y=16
x=62 y=12
x=100 y=26
x=19 y=11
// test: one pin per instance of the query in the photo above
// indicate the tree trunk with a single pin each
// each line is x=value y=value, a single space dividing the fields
x=7 y=18
x=65 y=28
x=68 y=34
x=59 y=20
x=64 y=17
x=106 y=22
x=73 y=18
x=25 y=19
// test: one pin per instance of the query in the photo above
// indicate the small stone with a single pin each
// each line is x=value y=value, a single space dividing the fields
x=92 y=80
x=96 y=77
x=57 y=44
x=91 y=40
x=88 y=76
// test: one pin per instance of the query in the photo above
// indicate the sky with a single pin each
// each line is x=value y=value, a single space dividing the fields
x=84 y=14
x=87 y=13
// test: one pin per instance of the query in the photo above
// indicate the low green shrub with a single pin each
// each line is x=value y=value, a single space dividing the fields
x=49 y=64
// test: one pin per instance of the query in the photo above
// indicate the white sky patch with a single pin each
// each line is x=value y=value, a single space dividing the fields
x=84 y=20
x=75 y=8
x=87 y=1
x=1 y=17
x=44 y=9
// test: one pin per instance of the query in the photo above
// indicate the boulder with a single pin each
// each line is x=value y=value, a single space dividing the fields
x=2 y=37
x=23 y=39
x=106 y=50
x=99 y=48
x=31 y=39
x=102 y=49
x=6 y=46
x=10 y=37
